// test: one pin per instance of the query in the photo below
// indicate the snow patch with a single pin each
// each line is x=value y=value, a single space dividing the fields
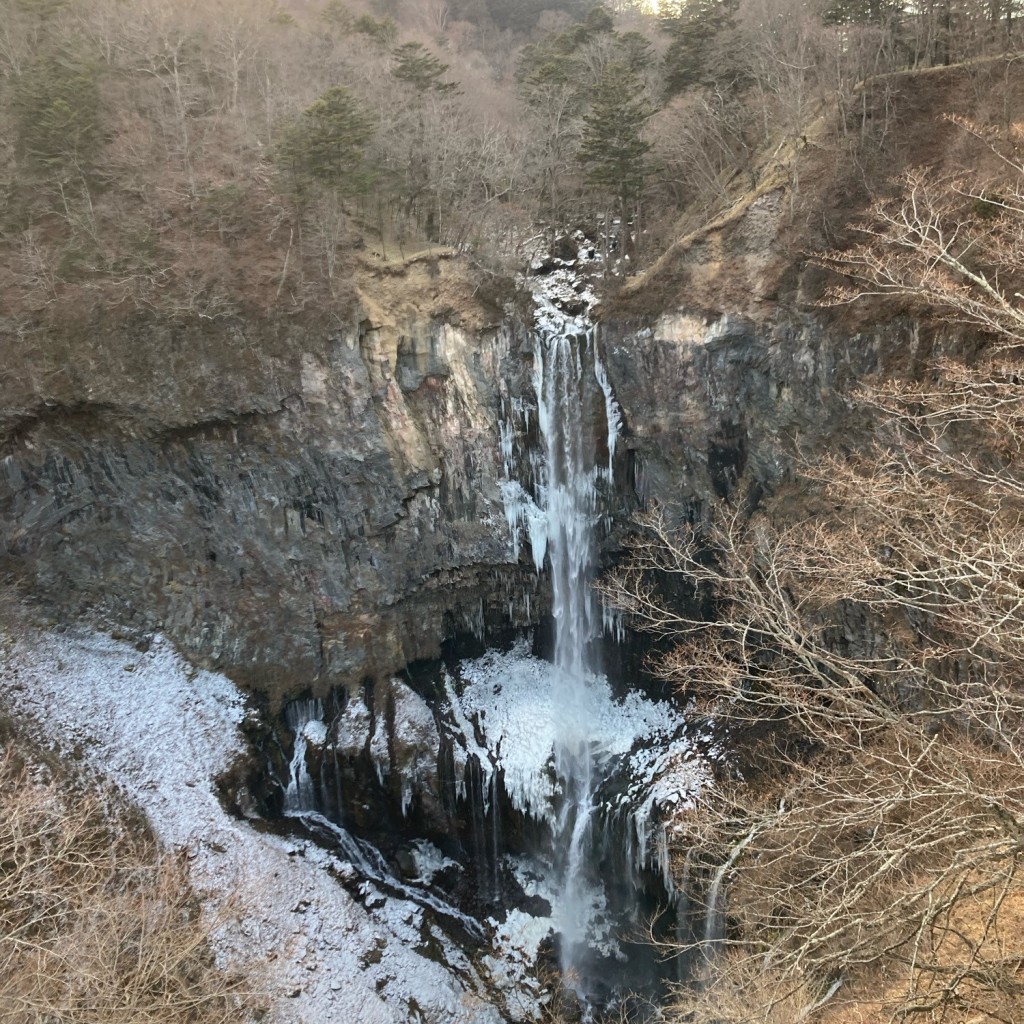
x=163 y=731
x=521 y=707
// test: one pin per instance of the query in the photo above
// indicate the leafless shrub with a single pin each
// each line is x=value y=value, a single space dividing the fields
x=96 y=925
x=882 y=642
x=875 y=648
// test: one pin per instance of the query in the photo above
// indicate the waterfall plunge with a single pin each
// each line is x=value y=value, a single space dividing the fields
x=565 y=370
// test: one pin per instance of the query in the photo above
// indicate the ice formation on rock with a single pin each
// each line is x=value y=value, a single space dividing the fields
x=554 y=731
x=163 y=732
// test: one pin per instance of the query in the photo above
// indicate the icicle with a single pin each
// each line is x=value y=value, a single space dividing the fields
x=496 y=844
x=506 y=442
x=612 y=623
x=613 y=412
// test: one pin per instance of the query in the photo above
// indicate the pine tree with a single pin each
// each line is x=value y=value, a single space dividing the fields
x=698 y=54
x=383 y=32
x=613 y=148
x=417 y=66
x=326 y=145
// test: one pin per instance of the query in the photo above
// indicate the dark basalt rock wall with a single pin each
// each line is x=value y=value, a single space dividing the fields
x=321 y=507
x=727 y=406
x=713 y=404
x=308 y=504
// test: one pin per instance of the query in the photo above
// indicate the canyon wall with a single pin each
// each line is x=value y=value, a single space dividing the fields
x=310 y=502
x=297 y=502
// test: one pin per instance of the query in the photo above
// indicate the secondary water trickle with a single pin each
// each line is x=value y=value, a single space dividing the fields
x=305 y=719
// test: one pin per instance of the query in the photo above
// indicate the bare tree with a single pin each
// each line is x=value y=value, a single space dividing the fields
x=699 y=140
x=870 y=655
x=951 y=246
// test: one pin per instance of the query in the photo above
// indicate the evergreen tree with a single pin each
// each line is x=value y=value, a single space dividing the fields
x=337 y=15
x=417 y=66
x=383 y=32
x=327 y=145
x=613 y=147
x=636 y=51
x=698 y=53
x=556 y=61
x=598 y=20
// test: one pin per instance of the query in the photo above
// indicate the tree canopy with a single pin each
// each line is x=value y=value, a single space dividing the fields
x=327 y=144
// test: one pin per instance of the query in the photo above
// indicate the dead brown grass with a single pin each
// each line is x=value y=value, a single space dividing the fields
x=97 y=926
x=880 y=999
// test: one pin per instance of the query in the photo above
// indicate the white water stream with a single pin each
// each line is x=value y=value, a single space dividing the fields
x=546 y=736
x=305 y=719
x=567 y=376
x=569 y=499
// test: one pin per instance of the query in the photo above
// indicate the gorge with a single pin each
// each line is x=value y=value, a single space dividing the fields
x=309 y=572
x=468 y=461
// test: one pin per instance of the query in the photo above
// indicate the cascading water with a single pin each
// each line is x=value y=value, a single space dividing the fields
x=714 y=926
x=567 y=377
x=569 y=499
x=595 y=742
x=305 y=719
x=549 y=803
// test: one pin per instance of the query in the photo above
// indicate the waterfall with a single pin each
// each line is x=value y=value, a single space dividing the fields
x=568 y=493
x=714 y=925
x=684 y=925
x=618 y=764
x=305 y=719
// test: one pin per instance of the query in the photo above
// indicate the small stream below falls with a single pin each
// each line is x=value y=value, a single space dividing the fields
x=521 y=801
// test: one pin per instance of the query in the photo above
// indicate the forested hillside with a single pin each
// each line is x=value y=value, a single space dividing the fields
x=195 y=160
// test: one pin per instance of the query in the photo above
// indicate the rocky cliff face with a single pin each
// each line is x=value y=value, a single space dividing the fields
x=714 y=402
x=310 y=503
x=730 y=366
x=291 y=502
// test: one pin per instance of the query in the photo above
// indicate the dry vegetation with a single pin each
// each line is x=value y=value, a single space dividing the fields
x=199 y=160
x=872 y=654
x=196 y=161
x=97 y=926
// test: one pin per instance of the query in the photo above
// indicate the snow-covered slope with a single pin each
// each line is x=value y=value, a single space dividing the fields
x=163 y=731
